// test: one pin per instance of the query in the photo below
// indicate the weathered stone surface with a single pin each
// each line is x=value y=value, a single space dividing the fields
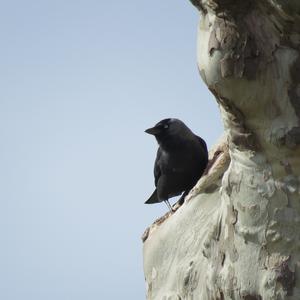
x=237 y=234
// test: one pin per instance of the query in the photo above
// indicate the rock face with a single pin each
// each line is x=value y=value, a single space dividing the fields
x=237 y=234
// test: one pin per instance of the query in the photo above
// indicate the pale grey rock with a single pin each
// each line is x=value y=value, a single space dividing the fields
x=237 y=234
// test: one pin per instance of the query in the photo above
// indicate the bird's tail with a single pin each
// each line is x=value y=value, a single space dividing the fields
x=153 y=198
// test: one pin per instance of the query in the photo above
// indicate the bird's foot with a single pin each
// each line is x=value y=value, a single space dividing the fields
x=169 y=206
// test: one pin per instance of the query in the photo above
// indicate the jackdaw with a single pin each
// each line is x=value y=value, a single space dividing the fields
x=180 y=161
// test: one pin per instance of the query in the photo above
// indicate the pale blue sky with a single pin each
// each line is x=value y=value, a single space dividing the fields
x=80 y=81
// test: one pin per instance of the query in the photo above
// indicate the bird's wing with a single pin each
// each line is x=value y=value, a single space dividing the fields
x=202 y=142
x=157 y=169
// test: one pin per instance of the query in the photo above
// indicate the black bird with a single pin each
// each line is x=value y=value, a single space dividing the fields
x=180 y=161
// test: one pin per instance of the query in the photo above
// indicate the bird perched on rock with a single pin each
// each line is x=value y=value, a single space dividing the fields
x=180 y=161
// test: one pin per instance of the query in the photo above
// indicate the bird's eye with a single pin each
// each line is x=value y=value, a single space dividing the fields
x=166 y=126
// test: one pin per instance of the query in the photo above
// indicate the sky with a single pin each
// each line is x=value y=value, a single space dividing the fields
x=80 y=82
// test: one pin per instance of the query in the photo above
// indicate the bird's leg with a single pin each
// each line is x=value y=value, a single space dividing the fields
x=181 y=199
x=169 y=205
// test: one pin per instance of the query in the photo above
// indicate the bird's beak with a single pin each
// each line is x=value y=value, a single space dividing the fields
x=153 y=130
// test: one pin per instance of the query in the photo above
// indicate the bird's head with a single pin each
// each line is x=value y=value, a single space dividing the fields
x=169 y=129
